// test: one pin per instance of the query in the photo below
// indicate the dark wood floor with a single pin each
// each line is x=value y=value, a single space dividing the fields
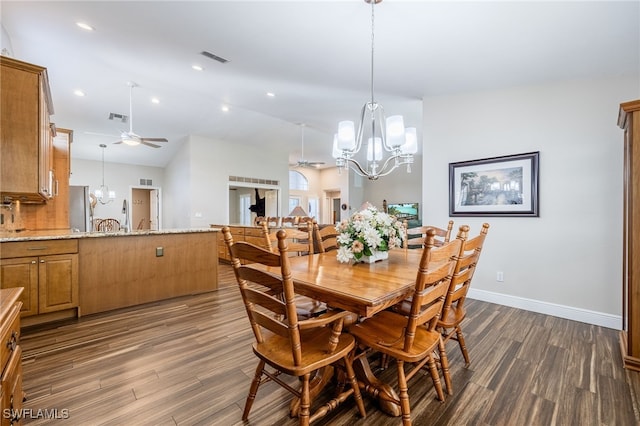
x=188 y=361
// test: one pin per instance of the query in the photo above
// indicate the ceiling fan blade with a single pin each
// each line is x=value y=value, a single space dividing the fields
x=117 y=142
x=143 y=142
x=154 y=139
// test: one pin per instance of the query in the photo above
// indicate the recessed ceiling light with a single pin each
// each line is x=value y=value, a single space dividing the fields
x=271 y=94
x=197 y=67
x=85 y=26
x=155 y=100
x=78 y=92
x=225 y=108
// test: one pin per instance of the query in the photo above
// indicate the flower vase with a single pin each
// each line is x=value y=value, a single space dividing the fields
x=375 y=256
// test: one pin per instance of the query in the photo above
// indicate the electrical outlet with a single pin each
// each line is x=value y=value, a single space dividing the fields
x=500 y=276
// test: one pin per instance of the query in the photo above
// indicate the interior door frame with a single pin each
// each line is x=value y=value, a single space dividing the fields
x=266 y=187
x=130 y=204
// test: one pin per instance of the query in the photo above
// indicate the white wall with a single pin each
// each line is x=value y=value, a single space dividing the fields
x=203 y=169
x=571 y=255
x=118 y=177
x=176 y=203
x=333 y=181
x=398 y=187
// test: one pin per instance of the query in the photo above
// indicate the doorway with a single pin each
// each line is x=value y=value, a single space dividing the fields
x=145 y=209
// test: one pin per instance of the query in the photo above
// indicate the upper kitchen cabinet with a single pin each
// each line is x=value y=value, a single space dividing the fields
x=26 y=146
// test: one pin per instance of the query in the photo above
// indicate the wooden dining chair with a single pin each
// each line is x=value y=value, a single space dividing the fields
x=107 y=225
x=285 y=344
x=300 y=243
x=414 y=339
x=414 y=237
x=453 y=311
x=326 y=238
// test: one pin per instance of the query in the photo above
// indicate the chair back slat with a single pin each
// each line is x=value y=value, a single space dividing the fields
x=326 y=238
x=299 y=241
x=266 y=306
x=465 y=268
x=415 y=237
x=432 y=282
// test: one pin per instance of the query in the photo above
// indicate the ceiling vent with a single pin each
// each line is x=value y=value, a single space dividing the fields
x=214 y=57
x=119 y=117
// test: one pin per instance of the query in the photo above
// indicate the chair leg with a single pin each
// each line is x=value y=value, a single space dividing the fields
x=253 y=390
x=444 y=363
x=351 y=376
x=404 y=395
x=305 y=401
x=433 y=369
x=463 y=345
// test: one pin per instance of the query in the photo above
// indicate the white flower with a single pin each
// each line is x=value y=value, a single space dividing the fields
x=344 y=254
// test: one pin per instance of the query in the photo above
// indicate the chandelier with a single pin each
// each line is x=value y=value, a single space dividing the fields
x=103 y=194
x=380 y=133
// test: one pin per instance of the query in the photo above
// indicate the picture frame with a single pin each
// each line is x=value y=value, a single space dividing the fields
x=497 y=186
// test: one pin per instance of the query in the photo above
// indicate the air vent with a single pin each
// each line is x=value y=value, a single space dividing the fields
x=214 y=57
x=119 y=117
x=146 y=182
x=253 y=180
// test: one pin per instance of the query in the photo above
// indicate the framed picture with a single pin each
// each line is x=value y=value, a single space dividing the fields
x=498 y=186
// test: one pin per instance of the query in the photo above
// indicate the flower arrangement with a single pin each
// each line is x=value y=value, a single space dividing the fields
x=366 y=232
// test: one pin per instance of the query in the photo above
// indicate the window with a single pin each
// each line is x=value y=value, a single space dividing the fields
x=293 y=202
x=313 y=208
x=297 y=181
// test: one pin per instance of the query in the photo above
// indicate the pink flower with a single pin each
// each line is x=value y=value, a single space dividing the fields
x=357 y=246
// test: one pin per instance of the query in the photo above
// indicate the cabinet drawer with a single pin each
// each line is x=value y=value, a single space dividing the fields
x=11 y=394
x=38 y=248
x=10 y=334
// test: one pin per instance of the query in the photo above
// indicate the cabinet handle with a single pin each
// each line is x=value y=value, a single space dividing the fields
x=33 y=261
x=16 y=415
x=41 y=260
x=37 y=248
x=13 y=343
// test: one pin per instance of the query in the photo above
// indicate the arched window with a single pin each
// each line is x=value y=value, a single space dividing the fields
x=297 y=181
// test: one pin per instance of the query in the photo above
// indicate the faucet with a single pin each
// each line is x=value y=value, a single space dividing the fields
x=125 y=212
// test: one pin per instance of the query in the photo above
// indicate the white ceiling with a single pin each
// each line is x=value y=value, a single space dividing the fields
x=314 y=55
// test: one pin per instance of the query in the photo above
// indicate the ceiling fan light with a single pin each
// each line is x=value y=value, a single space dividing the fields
x=130 y=141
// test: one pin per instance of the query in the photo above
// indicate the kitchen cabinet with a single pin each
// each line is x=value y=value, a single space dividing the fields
x=26 y=156
x=250 y=234
x=55 y=213
x=629 y=121
x=11 y=394
x=48 y=271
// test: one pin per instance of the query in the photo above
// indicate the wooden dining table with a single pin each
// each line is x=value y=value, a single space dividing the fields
x=361 y=288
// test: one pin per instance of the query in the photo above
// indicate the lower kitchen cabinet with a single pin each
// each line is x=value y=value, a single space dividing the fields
x=11 y=394
x=50 y=280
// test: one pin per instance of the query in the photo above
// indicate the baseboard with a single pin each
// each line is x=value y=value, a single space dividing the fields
x=562 y=311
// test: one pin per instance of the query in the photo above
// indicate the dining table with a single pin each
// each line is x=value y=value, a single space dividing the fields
x=361 y=288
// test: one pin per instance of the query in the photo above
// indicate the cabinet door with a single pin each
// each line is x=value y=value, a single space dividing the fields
x=58 y=282
x=22 y=272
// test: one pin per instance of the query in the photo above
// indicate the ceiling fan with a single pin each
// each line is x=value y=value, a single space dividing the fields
x=302 y=162
x=130 y=138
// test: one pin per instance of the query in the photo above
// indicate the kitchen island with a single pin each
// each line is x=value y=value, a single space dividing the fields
x=68 y=274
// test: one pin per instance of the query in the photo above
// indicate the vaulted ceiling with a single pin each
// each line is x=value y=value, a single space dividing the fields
x=314 y=56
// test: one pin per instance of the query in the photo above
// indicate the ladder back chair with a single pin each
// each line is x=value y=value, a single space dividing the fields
x=107 y=225
x=299 y=243
x=286 y=345
x=326 y=239
x=453 y=311
x=414 y=339
x=415 y=236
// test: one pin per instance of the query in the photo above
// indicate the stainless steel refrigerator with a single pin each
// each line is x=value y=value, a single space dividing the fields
x=79 y=214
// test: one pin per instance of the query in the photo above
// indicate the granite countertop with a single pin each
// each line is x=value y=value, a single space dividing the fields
x=66 y=234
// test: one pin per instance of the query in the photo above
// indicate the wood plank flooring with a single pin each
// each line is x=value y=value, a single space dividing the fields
x=188 y=361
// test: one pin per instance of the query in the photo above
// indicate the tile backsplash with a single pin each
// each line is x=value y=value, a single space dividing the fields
x=10 y=217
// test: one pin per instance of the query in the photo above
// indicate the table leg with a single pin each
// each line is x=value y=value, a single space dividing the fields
x=370 y=384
